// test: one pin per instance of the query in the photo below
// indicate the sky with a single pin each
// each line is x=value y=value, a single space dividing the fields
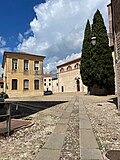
x=53 y=28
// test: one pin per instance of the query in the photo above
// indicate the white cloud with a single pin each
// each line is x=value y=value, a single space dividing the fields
x=20 y=37
x=52 y=62
x=2 y=42
x=58 y=28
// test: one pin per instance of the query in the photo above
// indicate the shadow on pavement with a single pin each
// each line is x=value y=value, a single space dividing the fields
x=26 y=108
x=114 y=100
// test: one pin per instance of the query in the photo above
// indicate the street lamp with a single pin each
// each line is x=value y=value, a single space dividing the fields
x=93 y=41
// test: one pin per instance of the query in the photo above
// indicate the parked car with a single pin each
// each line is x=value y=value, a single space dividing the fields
x=48 y=92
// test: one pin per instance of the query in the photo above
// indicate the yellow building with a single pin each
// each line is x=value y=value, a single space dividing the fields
x=69 y=78
x=23 y=74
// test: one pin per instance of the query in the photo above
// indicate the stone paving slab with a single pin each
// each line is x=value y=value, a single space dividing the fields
x=60 y=128
x=66 y=115
x=90 y=154
x=85 y=124
x=63 y=121
x=87 y=139
x=55 y=141
x=69 y=109
x=47 y=154
x=84 y=117
x=89 y=149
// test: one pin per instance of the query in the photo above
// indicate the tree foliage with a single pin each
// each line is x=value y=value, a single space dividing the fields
x=101 y=59
x=97 y=61
x=85 y=58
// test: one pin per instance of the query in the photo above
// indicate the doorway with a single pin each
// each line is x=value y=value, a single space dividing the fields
x=78 y=85
x=62 y=89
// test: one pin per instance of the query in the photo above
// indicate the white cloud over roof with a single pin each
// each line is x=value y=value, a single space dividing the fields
x=58 y=28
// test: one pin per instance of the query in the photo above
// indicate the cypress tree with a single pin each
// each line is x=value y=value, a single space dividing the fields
x=85 y=58
x=101 y=56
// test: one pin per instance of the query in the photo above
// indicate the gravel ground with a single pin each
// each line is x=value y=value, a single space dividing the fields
x=105 y=123
x=25 y=143
x=70 y=149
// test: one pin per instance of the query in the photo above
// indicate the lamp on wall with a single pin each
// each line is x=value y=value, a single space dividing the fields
x=93 y=41
x=77 y=78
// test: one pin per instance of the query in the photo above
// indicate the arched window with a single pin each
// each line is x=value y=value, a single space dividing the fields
x=14 y=84
x=26 y=84
x=61 y=70
x=76 y=66
x=69 y=68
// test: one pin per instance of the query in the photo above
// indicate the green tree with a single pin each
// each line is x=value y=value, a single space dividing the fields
x=101 y=61
x=85 y=58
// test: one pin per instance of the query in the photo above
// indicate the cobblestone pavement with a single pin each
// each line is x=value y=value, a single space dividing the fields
x=26 y=143
x=105 y=121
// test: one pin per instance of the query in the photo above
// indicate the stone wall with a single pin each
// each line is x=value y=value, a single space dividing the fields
x=116 y=27
x=69 y=80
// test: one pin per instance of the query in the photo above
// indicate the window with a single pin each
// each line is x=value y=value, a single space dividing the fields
x=36 y=84
x=49 y=79
x=14 y=84
x=49 y=84
x=14 y=64
x=62 y=88
x=69 y=68
x=26 y=84
x=56 y=84
x=61 y=70
x=44 y=84
x=77 y=66
x=26 y=64
x=36 y=65
x=45 y=80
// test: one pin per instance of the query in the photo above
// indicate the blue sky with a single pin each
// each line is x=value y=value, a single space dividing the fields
x=53 y=28
x=15 y=17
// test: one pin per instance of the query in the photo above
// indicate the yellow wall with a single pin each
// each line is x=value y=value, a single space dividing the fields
x=20 y=74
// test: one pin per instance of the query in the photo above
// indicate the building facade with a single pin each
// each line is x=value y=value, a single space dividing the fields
x=111 y=40
x=116 y=30
x=47 y=82
x=22 y=74
x=69 y=78
x=55 y=85
x=1 y=84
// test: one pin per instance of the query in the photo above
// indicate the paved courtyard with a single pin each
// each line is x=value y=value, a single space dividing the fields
x=76 y=127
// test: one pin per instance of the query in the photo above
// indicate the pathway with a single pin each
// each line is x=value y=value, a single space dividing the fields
x=73 y=137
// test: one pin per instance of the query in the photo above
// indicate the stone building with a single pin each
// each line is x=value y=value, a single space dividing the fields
x=111 y=40
x=55 y=85
x=22 y=74
x=116 y=30
x=69 y=78
x=47 y=79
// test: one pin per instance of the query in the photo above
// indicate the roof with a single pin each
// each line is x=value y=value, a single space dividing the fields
x=54 y=79
x=47 y=75
x=109 y=5
x=22 y=53
x=69 y=62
